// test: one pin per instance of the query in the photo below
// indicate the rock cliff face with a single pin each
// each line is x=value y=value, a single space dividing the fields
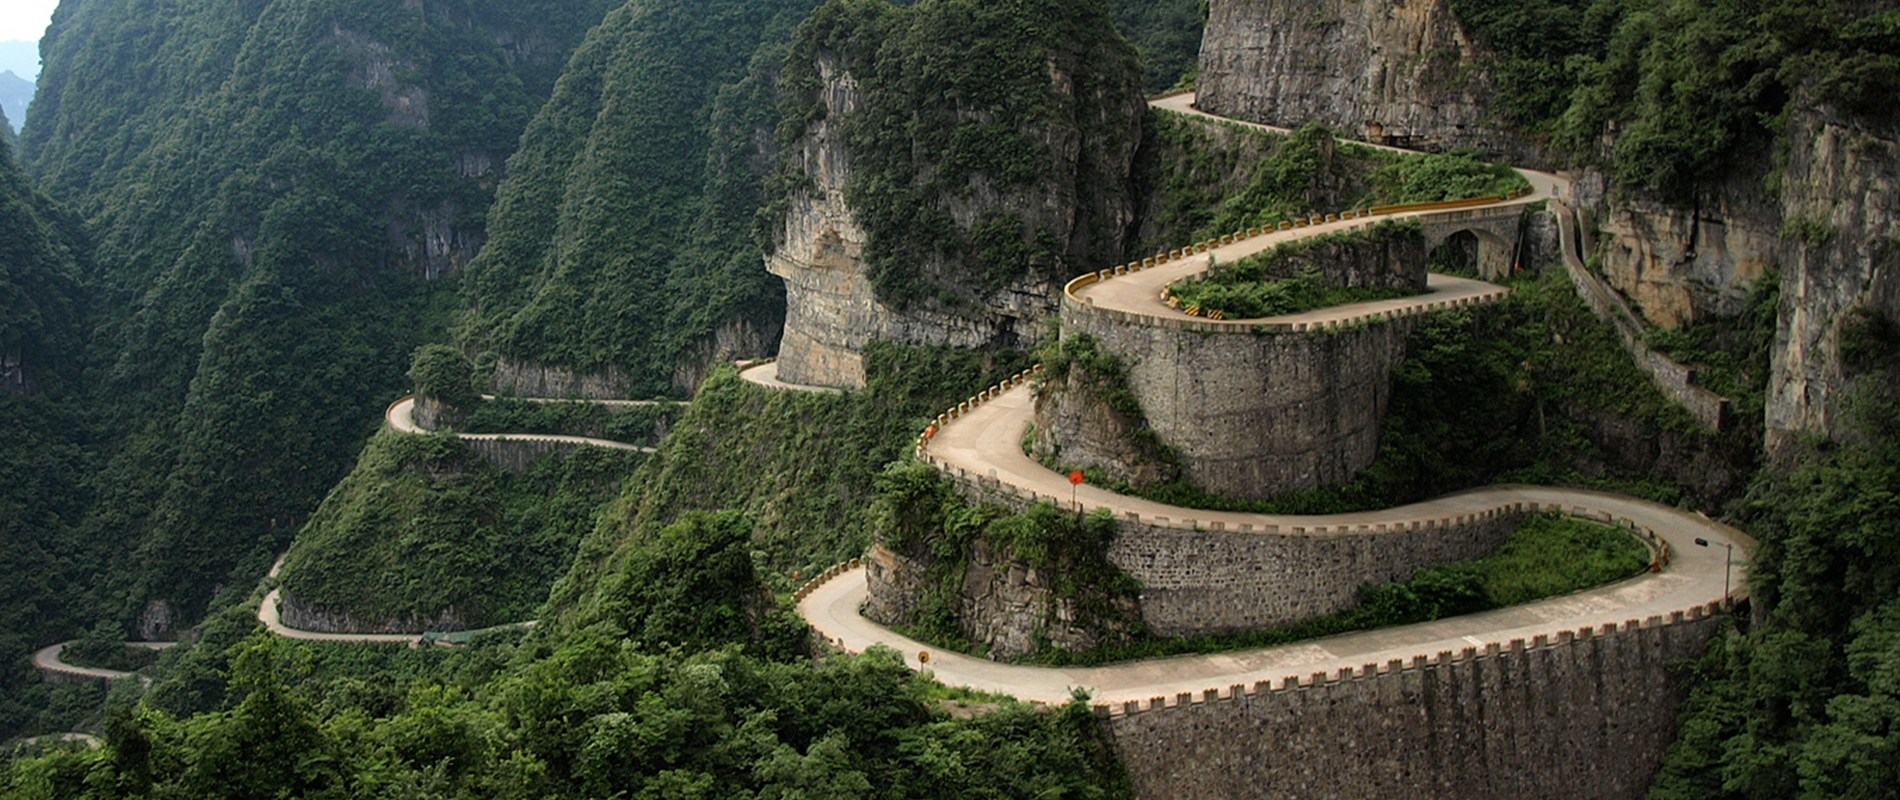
x=1677 y=265
x=1409 y=69
x=930 y=207
x=1403 y=72
x=1838 y=254
x=1009 y=607
x=306 y=617
x=831 y=307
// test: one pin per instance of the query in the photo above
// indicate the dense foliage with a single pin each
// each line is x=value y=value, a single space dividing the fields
x=45 y=453
x=1696 y=87
x=271 y=186
x=1200 y=179
x=1167 y=33
x=422 y=526
x=991 y=141
x=800 y=465
x=622 y=237
x=587 y=716
x=1808 y=705
x=444 y=373
x=660 y=670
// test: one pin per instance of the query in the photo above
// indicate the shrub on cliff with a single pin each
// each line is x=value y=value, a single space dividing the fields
x=444 y=373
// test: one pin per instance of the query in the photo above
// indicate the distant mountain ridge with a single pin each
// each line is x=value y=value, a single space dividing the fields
x=15 y=93
x=21 y=57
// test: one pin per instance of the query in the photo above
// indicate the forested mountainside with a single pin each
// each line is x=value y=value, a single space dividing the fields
x=273 y=189
x=45 y=455
x=248 y=214
x=622 y=242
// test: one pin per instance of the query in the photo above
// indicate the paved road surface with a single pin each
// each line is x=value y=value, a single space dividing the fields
x=766 y=375
x=987 y=442
x=401 y=416
x=48 y=659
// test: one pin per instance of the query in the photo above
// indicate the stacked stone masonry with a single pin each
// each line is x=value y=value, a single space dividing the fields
x=1586 y=716
x=1254 y=414
x=1200 y=578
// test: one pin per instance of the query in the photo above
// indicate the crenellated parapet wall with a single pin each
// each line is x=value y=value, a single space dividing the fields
x=1582 y=715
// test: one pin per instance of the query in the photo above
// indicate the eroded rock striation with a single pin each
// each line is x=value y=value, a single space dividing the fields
x=1842 y=218
x=1402 y=73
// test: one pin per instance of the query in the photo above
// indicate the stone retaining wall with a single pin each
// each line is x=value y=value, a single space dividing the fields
x=1215 y=581
x=299 y=615
x=1252 y=413
x=528 y=379
x=1202 y=576
x=1586 y=716
x=518 y=455
x=1675 y=381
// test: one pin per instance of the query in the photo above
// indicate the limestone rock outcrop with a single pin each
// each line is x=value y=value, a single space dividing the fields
x=1678 y=266
x=1841 y=212
x=831 y=308
x=987 y=249
x=308 y=617
x=1404 y=73
x=1007 y=606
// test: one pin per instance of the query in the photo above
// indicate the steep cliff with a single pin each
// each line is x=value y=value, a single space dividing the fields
x=622 y=262
x=1683 y=264
x=44 y=431
x=1840 y=205
x=944 y=165
x=1407 y=73
x=274 y=187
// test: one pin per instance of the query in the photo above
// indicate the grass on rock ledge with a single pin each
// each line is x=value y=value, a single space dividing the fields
x=1547 y=556
x=1254 y=299
x=1288 y=278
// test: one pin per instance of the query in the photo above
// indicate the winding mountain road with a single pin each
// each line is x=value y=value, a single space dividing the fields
x=986 y=442
x=766 y=374
x=47 y=659
x=401 y=417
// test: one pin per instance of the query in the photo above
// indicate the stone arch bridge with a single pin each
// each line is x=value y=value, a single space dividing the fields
x=1499 y=230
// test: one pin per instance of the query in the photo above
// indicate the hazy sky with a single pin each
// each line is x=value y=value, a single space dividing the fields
x=24 y=20
x=21 y=24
